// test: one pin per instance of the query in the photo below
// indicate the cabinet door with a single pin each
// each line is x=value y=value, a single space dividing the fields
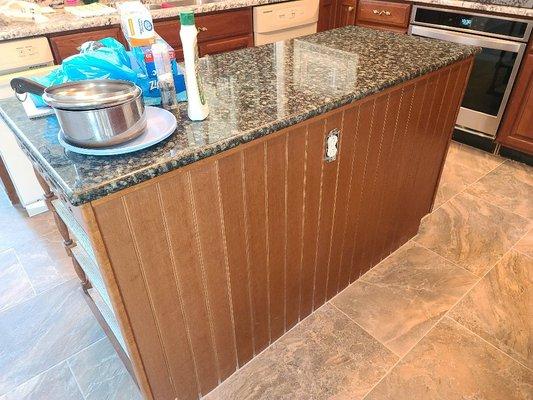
x=516 y=130
x=326 y=15
x=383 y=15
x=218 y=31
x=223 y=45
x=64 y=46
x=346 y=10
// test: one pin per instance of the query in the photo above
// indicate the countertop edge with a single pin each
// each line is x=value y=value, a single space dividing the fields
x=185 y=158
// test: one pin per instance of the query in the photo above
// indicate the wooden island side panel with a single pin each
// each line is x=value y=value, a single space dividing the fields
x=216 y=260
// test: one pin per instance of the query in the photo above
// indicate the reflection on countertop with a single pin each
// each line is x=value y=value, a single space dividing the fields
x=252 y=92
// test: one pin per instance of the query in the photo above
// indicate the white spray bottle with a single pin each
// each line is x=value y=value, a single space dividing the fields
x=197 y=108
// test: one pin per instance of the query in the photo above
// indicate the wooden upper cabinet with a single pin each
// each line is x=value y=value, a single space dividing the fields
x=383 y=15
x=218 y=32
x=346 y=11
x=516 y=130
x=326 y=15
x=64 y=46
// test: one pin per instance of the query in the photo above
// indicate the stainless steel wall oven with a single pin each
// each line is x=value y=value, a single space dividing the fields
x=503 y=40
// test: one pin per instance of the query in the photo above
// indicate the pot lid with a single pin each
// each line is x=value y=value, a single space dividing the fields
x=90 y=94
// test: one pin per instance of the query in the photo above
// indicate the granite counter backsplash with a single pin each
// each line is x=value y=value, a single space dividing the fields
x=252 y=93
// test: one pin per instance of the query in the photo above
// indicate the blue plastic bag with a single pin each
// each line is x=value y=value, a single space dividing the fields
x=108 y=59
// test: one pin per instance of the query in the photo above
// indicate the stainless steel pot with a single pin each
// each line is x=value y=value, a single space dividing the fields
x=92 y=113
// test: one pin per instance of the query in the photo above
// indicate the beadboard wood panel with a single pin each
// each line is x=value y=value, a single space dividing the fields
x=216 y=260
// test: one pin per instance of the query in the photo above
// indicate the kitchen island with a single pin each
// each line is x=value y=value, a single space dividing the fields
x=319 y=158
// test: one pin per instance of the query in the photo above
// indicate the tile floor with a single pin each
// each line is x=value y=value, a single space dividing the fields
x=447 y=316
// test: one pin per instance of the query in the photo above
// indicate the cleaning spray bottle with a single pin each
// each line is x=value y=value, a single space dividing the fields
x=197 y=108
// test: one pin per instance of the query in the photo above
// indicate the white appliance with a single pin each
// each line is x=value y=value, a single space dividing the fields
x=25 y=57
x=275 y=22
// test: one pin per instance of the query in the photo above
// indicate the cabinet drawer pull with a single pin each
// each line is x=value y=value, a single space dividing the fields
x=202 y=29
x=381 y=12
x=351 y=8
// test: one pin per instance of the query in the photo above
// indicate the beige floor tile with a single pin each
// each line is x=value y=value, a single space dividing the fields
x=452 y=363
x=471 y=232
x=327 y=356
x=57 y=383
x=500 y=307
x=42 y=332
x=525 y=245
x=464 y=165
x=400 y=299
x=101 y=374
x=509 y=186
x=15 y=286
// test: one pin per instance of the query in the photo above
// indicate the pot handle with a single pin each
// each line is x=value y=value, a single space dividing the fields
x=25 y=85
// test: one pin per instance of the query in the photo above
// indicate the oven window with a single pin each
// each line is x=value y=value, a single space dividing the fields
x=488 y=80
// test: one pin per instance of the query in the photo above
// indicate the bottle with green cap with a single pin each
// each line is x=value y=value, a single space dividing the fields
x=197 y=108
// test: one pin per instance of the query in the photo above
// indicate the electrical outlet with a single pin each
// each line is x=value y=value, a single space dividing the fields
x=332 y=145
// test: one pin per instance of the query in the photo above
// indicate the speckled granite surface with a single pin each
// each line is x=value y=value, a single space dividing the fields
x=252 y=92
x=61 y=21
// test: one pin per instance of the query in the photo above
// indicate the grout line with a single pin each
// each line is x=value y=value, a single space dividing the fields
x=487 y=342
x=360 y=326
x=465 y=188
x=444 y=258
x=421 y=338
x=75 y=380
x=37 y=295
x=26 y=272
x=53 y=366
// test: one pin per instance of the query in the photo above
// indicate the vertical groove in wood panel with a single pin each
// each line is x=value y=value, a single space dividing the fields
x=304 y=183
x=186 y=361
x=423 y=171
x=343 y=186
x=207 y=220
x=406 y=227
x=150 y=296
x=294 y=194
x=361 y=255
x=315 y=141
x=409 y=162
x=231 y=204
x=276 y=230
x=342 y=220
x=254 y=198
x=328 y=199
x=319 y=213
x=177 y=202
x=196 y=235
x=267 y=241
x=112 y=223
x=381 y=187
x=390 y=241
x=359 y=176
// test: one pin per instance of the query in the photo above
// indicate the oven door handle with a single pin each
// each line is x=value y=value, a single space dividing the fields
x=464 y=38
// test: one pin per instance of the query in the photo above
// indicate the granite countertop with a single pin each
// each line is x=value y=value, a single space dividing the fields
x=64 y=22
x=252 y=93
x=61 y=21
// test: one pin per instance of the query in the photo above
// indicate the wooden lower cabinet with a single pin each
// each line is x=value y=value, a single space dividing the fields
x=207 y=265
x=383 y=15
x=326 y=15
x=516 y=130
x=218 y=32
x=64 y=46
x=346 y=11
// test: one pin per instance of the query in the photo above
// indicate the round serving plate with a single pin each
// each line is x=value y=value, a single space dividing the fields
x=160 y=124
